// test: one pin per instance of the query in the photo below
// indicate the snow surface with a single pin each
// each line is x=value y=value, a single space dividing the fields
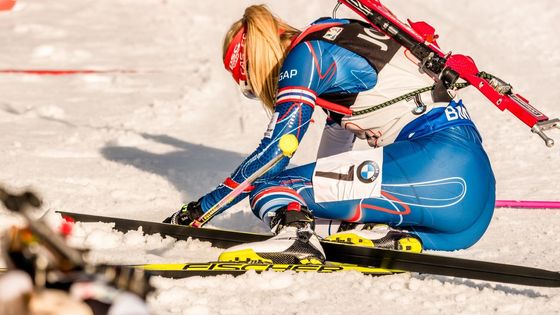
x=139 y=144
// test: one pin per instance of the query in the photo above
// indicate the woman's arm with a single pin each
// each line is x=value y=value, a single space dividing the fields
x=293 y=111
x=310 y=69
x=289 y=118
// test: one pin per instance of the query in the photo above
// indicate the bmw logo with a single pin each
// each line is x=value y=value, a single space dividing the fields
x=368 y=172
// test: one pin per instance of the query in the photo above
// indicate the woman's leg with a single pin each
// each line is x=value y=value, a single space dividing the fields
x=441 y=187
x=437 y=240
x=292 y=185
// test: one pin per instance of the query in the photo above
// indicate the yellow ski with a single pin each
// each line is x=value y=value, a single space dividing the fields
x=184 y=270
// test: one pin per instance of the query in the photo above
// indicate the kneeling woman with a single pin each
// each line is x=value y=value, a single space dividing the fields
x=426 y=183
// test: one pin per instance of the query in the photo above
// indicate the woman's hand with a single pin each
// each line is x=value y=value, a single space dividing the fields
x=187 y=214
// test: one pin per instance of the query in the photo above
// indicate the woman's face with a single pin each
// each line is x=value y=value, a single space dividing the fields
x=235 y=62
x=245 y=85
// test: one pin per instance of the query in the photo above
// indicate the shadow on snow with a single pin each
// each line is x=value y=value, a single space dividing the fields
x=193 y=169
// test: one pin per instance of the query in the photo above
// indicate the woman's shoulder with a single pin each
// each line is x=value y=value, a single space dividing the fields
x=327 y=30
x=319 y=41
x=329 y=22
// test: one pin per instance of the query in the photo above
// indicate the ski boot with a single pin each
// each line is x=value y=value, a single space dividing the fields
x=376 y=235
x=295 y=241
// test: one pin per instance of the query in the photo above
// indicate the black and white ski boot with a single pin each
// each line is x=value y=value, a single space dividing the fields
x=295 y=241
x=376 y=235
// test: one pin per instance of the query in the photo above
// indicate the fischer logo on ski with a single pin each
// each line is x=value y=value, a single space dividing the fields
x=221 y=266
x=238 y=268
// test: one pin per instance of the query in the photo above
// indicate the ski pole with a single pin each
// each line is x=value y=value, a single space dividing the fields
x=288 y=144
x=528 y=204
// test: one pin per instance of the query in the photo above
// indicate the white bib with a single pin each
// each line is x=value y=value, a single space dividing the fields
x=348 y=176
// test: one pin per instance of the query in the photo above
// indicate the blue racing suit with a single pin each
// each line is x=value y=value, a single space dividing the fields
x=437 y=180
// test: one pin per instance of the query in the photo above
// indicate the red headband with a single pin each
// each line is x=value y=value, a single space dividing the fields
x=234 y=60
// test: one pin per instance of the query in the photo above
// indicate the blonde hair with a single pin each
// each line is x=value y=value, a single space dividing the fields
x=267 y=43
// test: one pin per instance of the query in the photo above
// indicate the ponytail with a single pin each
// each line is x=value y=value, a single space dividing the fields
x=268 y=39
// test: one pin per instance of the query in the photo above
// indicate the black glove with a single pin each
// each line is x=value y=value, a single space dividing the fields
x=188 y=213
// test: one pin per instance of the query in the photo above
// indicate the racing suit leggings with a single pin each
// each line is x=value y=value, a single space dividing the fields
x=439 y=187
